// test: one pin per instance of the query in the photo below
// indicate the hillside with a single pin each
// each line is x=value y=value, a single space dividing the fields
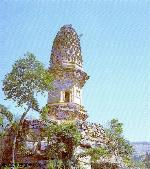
x=141 y=147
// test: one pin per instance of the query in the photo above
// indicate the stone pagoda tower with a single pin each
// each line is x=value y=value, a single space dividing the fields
x=66 y=65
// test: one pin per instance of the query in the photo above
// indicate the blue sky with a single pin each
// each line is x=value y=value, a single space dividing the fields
x=115 y=46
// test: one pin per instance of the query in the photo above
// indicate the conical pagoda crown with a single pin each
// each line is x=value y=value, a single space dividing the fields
x=66 y=47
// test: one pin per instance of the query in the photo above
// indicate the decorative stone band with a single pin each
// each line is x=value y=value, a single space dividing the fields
x=62 y=111
x=76 y=75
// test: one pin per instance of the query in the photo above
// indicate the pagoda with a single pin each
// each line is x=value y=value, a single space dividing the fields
x=66 y=66
x=65 y=100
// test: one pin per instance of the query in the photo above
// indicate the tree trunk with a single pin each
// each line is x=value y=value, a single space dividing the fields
x=13 y=151
x=15 y=138
x=23 y=116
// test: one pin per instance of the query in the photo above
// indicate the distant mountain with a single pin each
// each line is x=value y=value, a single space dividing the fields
x=141 y=148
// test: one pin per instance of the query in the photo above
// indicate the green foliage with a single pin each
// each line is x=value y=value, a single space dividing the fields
x=128 y=161
x=55 y=164
x=1 y=120
x=63 y=138
x=4 y=112
x=44 y=113
x=139 y=164
x=27 y=78
x=66 y=130
x=16 y=166
x=95 y=153
x=117 y=143
x=115 y=128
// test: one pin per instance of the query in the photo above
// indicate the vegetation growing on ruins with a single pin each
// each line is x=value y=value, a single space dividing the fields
x=27 y=78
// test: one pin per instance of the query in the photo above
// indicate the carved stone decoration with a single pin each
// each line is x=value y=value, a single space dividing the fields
x=63 y=84
x=68 y=111
x=69 y=75
x=66 y=47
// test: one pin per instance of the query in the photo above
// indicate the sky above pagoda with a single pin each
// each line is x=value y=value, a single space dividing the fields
x=115 y=48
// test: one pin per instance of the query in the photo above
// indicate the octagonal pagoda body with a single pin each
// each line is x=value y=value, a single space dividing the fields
x=66 y=66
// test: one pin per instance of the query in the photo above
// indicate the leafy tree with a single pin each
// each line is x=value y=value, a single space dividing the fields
x=117 y=144
x=94 y=153
x=4 y=112
x=27 y=78
x=62 y=140
x=4 y=115
x=139 y=164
